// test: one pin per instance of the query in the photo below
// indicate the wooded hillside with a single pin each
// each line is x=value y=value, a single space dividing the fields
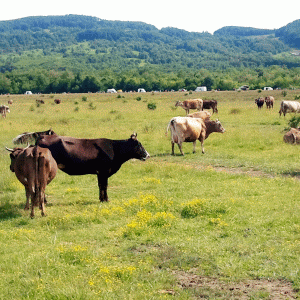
x=59 y=53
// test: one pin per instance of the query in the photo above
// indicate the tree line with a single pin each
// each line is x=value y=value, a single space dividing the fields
x=48 y=82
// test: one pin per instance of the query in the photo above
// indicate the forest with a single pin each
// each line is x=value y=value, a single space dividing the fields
x=75 y=53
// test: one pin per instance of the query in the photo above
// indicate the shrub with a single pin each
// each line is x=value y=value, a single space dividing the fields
x=294 y=122
x=138 y=98
x=151 y=106
x=84 y=98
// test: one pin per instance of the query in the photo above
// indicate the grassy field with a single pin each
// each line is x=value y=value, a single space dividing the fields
x=223 y=225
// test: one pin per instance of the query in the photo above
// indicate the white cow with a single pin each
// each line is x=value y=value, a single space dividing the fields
x=289 y=107
x=186 y=129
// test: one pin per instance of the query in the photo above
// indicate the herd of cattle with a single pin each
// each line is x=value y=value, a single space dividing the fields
x=36 y=166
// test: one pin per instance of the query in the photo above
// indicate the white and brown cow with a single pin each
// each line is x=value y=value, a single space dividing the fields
x=269 y=100
x=190 y=104
x=186 y=129
x=35 y=168
x=3 y=110
x=289 y=107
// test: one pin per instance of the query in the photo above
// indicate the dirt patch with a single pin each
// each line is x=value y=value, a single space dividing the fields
x=211 y=288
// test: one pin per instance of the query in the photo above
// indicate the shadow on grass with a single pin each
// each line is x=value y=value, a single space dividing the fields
x=10 y=211
x=292 y=174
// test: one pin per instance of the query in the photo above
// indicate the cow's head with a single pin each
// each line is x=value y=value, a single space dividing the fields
x=139 y=152
x=178 y=103
x=219 y=127
x=14 y=153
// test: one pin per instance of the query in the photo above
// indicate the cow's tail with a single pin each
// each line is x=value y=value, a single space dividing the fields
x=39 y=180
x=171 y=124
x=281 y=108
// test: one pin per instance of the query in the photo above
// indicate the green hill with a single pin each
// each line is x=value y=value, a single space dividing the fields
x=88 y=46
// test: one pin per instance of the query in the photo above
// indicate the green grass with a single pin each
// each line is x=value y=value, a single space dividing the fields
x=169 y=218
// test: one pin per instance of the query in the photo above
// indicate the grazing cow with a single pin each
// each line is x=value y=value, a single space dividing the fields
x=211 y=104
x=186 y=129
x=35 y=168
x=57 y=101
x=3 y=110
x=103 y=157
x=38 y=101
x=190 y=104
x=200 y=114
x=10 y=101
x=292 y=136
x=289 y=107
x=260 y=102
x=269 y=101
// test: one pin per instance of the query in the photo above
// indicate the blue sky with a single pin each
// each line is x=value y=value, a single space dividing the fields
x=188 y=15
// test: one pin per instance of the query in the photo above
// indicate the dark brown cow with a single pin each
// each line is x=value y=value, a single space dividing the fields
x=57 y=101
x=10 y=101
x=211 y=104
x=190 y=104
x=35 y=168
x=103 y=157
x=260 y=102
x=38 y=101
x=269 y=101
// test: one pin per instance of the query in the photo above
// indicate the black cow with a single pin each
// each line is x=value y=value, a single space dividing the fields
x=260 y=102
x=103 y=157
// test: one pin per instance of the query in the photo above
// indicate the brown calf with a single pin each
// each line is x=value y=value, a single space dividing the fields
x=35 y=168
x=200 y=114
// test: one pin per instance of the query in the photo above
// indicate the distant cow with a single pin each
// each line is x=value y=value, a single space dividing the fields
x=200 y=114
x=211 y=104
x=292 y=136
x=190 y=104
x=186 y=129
x=10 y=101
x=103 y=157
x=35 y=168
x=57 y=101
x=260 y=102
x=3 y=110
x=38 y=101
x=269 y=102
x=289 y=107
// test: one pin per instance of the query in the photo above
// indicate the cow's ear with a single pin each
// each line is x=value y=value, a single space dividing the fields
x=134 y=136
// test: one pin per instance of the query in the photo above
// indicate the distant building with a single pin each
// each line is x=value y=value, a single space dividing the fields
x=141 y=91
x=112 y=91
x=201 y=89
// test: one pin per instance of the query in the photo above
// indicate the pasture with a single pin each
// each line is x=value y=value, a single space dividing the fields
x=223 y=225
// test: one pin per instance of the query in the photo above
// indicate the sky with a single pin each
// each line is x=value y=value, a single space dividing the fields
x=190 y=15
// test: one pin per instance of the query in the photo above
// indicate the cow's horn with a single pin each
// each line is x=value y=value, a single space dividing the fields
x=27 y=146
x=10 y=150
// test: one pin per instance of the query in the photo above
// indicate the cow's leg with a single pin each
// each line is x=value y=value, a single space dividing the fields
x=33 y=196
x=172 y=143
x=27 y=206
x=180 y=148
x=194 y=147
x=102 y=184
